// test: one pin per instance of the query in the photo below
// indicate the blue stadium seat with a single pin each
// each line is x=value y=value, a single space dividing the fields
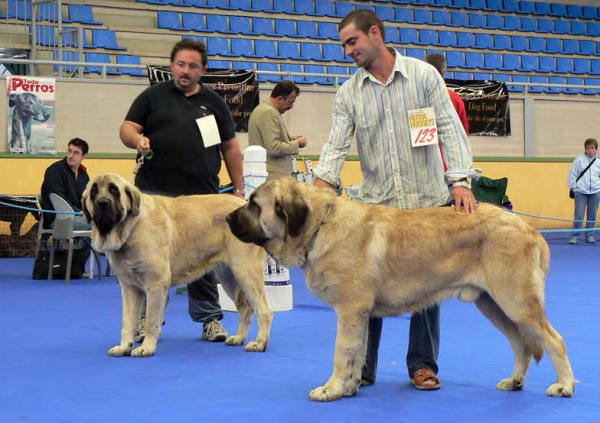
x=218 y=23
x=327 y=30
x=473 y=60
x=465 y=39
x=305 y=8
x=321 y=80
x=263 y=26
x=218 y=46
x=478 y=76
x=484 y=41
x=539 y=80
x=311 y=51
x=219 y=64
x=526 y=7
x=19 y=10
x=196 y=38
x=391 y=35
x=518 y=78
x=67 y=56
x=242 y=47
x=436 y=51
x=476 y=20
x=459 y=4
x=286 y=28
x=266 y=48
x=562 y=26
x=262 y=6
x=455 y=59
x=593 y=29
x=298 y=79
x=49 y=12
x=325 y=8
x=595 y=67
x=511 y=62
x=492 y=61
x=404 y=15
x=494 y=22
x=529 y=63
x=219 y=4
x=284 y=6
x=385 y=13
x=270 y=67
x=463 y=76
x=365 y=6
x=542 y=8
x=592 y=82
x=556 y=80
x=519 y=43
x=339 y=70
x=512 y=23
x=82 y=14
x=587 y=47
x=510 y=5
x=501 y=77
x=493 y=5
x=440 y=3
x=528 y=24
x=545 y=25
x=343 y=8
x=476 y=4
x=574 y=81
x=570 y=46
x=590 y=12
x=564 y=65
x=547 y=64
x=170 y=20
x=447 y=38
x=440 y=17
x=241 y=25
x=408 y=36
x=240 y=4
x=553 y=45
x=427 y=37
x=578 y=28
x=422 y=16
x=105 y=38
x=332 y=52
x=536 y=44
x=195 y=3
x=290 y=50
x=194 y=22
x=574 y=11
x=417 y=53
x=501 y=42
x=581 y=66
x=98 y=58
x=460 y=19
x=242 y=65
x=307 y=28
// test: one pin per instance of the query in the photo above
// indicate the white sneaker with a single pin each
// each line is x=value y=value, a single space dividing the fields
x=590 y=239
x=573 y=240
x=214 y=331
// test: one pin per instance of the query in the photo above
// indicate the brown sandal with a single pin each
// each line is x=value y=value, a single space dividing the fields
x=422 y=375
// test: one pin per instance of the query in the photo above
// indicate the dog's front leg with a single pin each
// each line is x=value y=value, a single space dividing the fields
x=132 y=305
x=349 y=356
x=156 y=299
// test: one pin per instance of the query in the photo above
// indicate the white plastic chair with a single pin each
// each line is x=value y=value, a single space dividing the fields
x=63 y=231
x=41 y=232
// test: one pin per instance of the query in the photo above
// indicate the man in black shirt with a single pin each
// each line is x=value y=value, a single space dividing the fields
x=188 y=127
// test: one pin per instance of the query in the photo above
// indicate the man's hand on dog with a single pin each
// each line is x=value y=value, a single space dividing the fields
x=464 y=199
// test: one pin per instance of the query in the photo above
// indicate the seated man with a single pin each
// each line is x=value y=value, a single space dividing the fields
x=68 y=178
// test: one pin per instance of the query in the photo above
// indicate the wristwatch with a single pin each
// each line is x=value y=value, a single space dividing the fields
x=463 y=183
x=239 y=191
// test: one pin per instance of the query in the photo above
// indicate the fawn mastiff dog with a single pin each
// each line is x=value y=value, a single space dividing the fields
x=155 y=242
x=368 y=260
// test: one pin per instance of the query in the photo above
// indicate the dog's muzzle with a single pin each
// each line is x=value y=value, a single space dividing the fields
x=106 y=215
x=243 y=229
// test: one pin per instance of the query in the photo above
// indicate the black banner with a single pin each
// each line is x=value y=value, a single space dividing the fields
x=487 y=106
x=239 y=89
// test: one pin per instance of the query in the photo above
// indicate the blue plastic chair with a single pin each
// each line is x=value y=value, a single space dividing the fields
x=311 y=51
x=459 y=4
x=578 y=28
x=408 y=36
x=518 y=78
x=219 y=64
x=170 y=20
x=193 y=22
x=512 y=23
x=240 y=4
x=306 y=7
x=463 y=76
x=493 y=5
x=511 y=62
x=391 y=35
x=545 y=25
x=404 y=15
x=510 y=5
x=556 y=80
x=266 y=48
x=473 y=60
x=529 y=63
x=270 y=67
x=130 y=60
x=286 y=28
x=385 y=13
x=519 y=43
x=562 y=26
x=422 y=16
x=290 y=50
x=595 y=67
x=526 y=7
x=593 y=29
x=553 y=45
x=465 y=39
x=446 y=38
x=105 y=38
x=540 y=80
x=263 y=26
x=325 y=8
x=564 y=65
x=334 y=53
x=590 y=12
x=581 y=66
x=327 y=30
x=494 y=22
x=70 y=56
x=98 y=58
x=219 y=4
x=343 y=8
x=460 y=19
x=587 y=47
x=307 y=28
x=492 y=61
x=574 y=11
x=218 y=23
x=570 y=46
x=241 y=25
x=476 y=4
x=316 y=79
x=484 y=41
x=501 y=42
x=592 y=82
x=82 y=14
x=339 y=70
x=542 y=8
x=242 y=47
x=417 y=53
x=428 y=37
x=478 y=76
x=574 y=81
x=528 y=24
x=298 y=79
x=440 y=17
x=476 y=20
x=547 y=64
x=218 y=46
x=537 y=44
x=262 y=6
x=455 y=59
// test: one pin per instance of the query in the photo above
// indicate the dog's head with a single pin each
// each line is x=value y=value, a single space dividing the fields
x=108 y=201
x=28 y=106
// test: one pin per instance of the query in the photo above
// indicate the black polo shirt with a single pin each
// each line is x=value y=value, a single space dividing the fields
x=181 y=164
x=60 y=179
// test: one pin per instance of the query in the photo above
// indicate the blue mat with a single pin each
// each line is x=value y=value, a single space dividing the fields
x=54 y=365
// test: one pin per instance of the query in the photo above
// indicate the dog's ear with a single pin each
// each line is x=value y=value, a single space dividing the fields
x=134 y=198
x=11 y=100
x=294 y=211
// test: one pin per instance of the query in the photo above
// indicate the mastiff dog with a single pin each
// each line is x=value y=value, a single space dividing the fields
x=369 y=260
x=155 y=242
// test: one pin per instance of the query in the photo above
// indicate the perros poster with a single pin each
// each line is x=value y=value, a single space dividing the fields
x=30 y=112
x=239 y=89
x=487 y=106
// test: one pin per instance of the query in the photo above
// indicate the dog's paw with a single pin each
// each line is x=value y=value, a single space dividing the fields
x=255 y=346
x=235 y=340
x=324 y=394
x=560 y=390
x=510 y=385
x=143 y=351
x=119 y=351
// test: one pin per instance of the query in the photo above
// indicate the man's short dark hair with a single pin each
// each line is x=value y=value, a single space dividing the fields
x=78 y=142
x=189 y=44
x=285 y=88
x=438 y=61
x=363 y=20
x=591 y=141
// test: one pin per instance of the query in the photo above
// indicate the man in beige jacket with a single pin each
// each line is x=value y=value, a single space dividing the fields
x=267 y=130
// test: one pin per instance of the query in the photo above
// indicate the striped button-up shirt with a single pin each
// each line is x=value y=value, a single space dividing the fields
x=394 y=173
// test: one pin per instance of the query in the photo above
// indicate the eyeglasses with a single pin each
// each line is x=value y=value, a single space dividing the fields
x=74 y=152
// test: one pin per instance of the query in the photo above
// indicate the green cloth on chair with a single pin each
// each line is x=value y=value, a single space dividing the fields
x=488 y=190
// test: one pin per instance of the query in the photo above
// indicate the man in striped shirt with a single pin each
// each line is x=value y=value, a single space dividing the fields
x=374 y=105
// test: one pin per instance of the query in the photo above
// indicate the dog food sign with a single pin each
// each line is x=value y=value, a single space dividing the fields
x=30 y=119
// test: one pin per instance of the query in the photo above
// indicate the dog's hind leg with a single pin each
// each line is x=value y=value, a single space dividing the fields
x=522 y=349
x=132 y=298
x=349 y=355
x=156 y=300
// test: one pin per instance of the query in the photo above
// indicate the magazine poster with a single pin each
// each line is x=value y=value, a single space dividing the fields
x=30 y=115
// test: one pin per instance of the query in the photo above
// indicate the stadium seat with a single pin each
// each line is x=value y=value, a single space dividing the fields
x=286 y=28
x=286 y=67
x=82 y=14
x=493 y=5
x=574 y=11
x=547 y=64
x=473 y=60
x=441 y=3
x=511 y=62
x=553 y=45
x=529 y=63
x=385 y=13
x=519 y=43
x=194 y=22
x=593 y=29
x=332 y=53
x=510 y=6
x=427 y=37
x=556 y=80
x=67 y=56
x=343 y=8
x=536 y=44
x=459 y=4
x=270 y=67
x=241 y=25
x=219 y=64
x=218 y=46
x=218 y=23
x=501 y=77
x=501 y=42
x=526 y=7
x=327 y=30
x=476 y=20
x=404 y=15
x=422 y=16
x=578 y=28
x=19 y=10
x=590 y=12
x=494 y=22
x=478 y=76
x=492 y=61
x=562 y=26
x=130 y=60
x=539 y=80
x=307 y=28
x=242 y=47
x=417 y=53
x=581 y=66
x=595 y=67
x=305 y=8
x=564 y=65
x=339 y=70
x=325 y=8
x=105 y=38
x=49 y=12
x=290 y=50
x=460 y=19
x=364 y=6
x=465 y=39
x=240 y=4
x=391 y=35
x=316 y=79
x=262 y=6
x=593 y=82
x=219 y=4
x=440 y=17
x=99 y=58
x=463 y=76
x=455 y=59
x=263 y=26
x=518 y=78
x=528 y=24
x=170 y=20
x=408 y=36
x=195 y=38
x=545 y=25
x=311 y=51
x=512 y=23
x=484 y=41
x=446 y=38
x=570 y=46
x=476 y=4
x=587 y=47
x=266 y=48
x=574 y=81
x=542 y=8
x=195 y=3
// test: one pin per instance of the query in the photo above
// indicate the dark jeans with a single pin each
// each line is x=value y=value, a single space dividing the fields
x=423 y=343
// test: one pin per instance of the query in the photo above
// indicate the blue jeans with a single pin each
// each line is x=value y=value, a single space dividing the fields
x=423 y=343
x=582 y=201
x=203 y=296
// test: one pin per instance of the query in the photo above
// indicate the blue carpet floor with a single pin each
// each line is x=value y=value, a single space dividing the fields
x=54 y=365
